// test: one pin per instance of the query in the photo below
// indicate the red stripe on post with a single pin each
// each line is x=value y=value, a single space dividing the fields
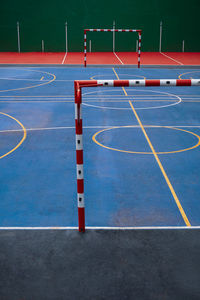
x=81 y=219
x=80 y=186
x=121 y=82
x=183 y=82
x=79 y=126
x=153 y=82
x=79 y=157
x=77 y=94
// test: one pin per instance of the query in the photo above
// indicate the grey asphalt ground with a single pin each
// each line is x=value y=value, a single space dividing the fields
x=99 y=264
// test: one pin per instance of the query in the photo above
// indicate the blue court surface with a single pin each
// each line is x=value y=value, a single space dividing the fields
x=125 y=184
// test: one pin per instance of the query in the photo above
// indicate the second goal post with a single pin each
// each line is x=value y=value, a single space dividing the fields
x=139 y=31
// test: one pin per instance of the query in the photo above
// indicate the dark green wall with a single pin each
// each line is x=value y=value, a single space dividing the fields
x=44 y=20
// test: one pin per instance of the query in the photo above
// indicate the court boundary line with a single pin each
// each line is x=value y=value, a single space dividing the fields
x=64 y=59
x=180 y=63
x=68 y=65
x=118 y=58
x=101 y=228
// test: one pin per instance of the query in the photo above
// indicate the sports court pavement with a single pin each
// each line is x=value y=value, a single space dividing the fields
x=38 y=188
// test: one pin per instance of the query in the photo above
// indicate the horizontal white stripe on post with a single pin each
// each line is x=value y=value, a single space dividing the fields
x=80 y=200
x=171 y=82
x=79 y=171
x=136 y=82
x=76 y=111
x=79 y=142
x=106 y=82
x=195 y=81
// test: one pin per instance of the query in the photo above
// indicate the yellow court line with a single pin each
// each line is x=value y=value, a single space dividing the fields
x=32 y=86
x=23 y=138
x=148 y=153
x=180 y=76
x=158 y=161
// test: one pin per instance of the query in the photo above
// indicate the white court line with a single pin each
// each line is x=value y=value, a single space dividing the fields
x=90 y=101
x=118 y=58
x=93 y=127
x=171 y=96
x=26 y=79
x=92 y=97
x=23 y=79
x=103 y=228
x=188 y=100
x=64 y=58
x=52 y=128
x=36 y=101
x=55 y=96
x=180 y=63
x=138 y=96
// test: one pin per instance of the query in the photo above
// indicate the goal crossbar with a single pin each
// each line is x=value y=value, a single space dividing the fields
x=78 y=85
x=139 y=31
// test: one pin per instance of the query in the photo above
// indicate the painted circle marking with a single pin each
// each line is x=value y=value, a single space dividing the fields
x=32 y=86
x=139 y=152
x=179 y=100
x=21 y=141
x=180 y=76
x=110 y=75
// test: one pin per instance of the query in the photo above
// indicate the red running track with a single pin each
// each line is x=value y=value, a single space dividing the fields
x=102 y=58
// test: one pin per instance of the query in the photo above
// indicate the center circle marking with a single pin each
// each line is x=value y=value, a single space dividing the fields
x=94 y=138
x=177 y=100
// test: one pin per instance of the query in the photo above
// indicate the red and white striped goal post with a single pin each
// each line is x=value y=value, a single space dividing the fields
x=78 y=85
x=139 y=31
